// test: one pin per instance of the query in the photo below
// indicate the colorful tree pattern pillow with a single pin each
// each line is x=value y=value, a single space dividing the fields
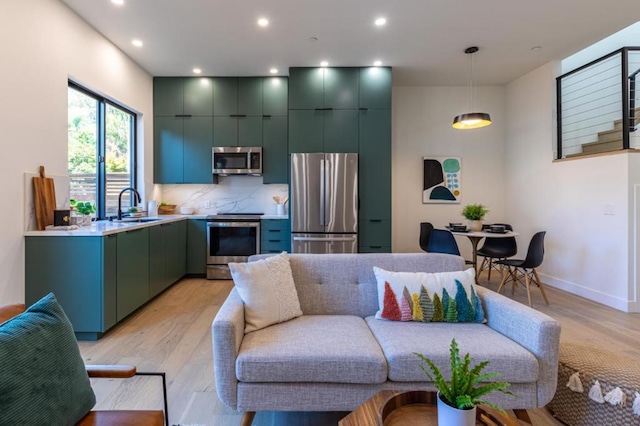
x=428 y=297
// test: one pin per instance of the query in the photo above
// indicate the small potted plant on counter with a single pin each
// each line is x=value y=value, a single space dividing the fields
x=458 y=398
x=474 y=213
x=83 y=210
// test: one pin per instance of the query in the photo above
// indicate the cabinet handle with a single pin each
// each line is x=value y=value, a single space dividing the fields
x=375 y=220
x=237 y=115
x=112 y=235
x=324 y=109
x=274 y=230
x=363 y=109
x=266 y=116
x=183 y=115
x=133 y=230
x=274 y=241
x=375 y=247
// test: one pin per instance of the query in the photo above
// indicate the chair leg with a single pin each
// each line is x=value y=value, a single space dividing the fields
x=247 y=418
x=526 y=283
x=504 y=279
x=540 y=286
x=490 y=262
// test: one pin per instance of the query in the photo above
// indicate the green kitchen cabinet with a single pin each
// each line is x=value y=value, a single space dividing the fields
x=196 y=246
x=323 y=130
x=275 y=94
x=167 y=255
x=81 y=272
x=175 y=250
x=238 y=111
x=275 y=158
x=375 y=88
x=182 y=149
x=275 y=235
x=191 y=96
x=374 y=235
x=132 y=271
x=374 y=173
x=320 y=88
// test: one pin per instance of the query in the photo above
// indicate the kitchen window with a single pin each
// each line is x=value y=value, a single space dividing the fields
x=101 y=150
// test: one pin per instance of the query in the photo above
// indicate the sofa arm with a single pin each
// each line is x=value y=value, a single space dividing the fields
x=535 y=331
x=227 y=332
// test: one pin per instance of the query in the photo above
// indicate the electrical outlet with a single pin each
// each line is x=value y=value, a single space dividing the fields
x=609 y=209
x=207 y=204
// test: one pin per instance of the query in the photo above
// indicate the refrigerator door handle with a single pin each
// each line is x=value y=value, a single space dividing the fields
x=328 y=192
x=322 y=192
x=326 y=239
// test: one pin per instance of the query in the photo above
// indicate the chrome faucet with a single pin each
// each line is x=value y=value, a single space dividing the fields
x=120 y=199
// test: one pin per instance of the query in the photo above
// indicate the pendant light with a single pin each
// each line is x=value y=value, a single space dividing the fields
x=471 y=120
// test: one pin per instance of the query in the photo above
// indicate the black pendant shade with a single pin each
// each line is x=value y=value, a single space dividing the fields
x=472 y=120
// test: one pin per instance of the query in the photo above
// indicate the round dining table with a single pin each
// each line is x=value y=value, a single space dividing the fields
x=476 y=236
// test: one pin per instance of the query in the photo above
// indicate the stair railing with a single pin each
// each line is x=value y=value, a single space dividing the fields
x=632 y=100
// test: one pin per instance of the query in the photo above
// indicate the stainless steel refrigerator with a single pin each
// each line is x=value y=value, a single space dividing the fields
x=324 y=203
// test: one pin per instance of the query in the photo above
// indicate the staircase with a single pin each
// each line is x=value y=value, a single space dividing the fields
x=609 y=140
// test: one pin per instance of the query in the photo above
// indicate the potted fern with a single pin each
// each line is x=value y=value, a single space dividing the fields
x=458 y=398
x=475 y=213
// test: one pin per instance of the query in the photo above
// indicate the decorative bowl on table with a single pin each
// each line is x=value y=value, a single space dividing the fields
x=459 y=228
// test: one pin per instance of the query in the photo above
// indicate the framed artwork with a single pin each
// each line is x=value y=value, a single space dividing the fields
x=442 y=180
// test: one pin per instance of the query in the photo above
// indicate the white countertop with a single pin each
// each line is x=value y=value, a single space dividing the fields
x=105 y=227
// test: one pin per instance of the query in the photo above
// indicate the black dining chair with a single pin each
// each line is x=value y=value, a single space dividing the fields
x=425 y=233
x=496 y=249
x=525 y=269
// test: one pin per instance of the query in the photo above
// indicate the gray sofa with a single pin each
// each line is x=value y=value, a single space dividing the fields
x=337 y=355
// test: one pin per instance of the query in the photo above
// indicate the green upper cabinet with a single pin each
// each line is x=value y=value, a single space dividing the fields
x=196 y=150
x=341 y=88
x=320 y=88
x=375 y=88
x=182 y=96
x=238 y=111
x=306 y=130
x=275 y=92
x=340 y=130
x=275 y=158
x=306 y=87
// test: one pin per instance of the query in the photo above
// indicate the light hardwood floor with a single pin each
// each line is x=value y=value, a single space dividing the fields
x=173 y=334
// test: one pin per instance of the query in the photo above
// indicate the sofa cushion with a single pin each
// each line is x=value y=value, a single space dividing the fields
x=267 y=289
x=43 y=380
x=428 y=297
x=312 y=348
x=399 y=341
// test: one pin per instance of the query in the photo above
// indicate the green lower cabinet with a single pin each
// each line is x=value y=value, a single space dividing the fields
x=81 y=272
x=175 y=250
x=157 y=263
x=374 y=236
x=196 y=247
x=275 y=235
x=132 y=271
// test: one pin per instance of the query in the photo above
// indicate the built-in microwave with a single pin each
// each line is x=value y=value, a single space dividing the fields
x=237 y=160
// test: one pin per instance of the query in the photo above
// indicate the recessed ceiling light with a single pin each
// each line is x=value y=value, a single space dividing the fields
x=273 y=70
x=197 y=71
x=377 y=63
x=118 y=2
x=136 y=42
x=324 y=64
x=263 y=22
x=380 y=21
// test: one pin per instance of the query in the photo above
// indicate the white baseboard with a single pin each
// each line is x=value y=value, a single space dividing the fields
x=593 y=295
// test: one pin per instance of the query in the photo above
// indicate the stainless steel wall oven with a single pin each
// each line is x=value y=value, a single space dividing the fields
x=231 y=237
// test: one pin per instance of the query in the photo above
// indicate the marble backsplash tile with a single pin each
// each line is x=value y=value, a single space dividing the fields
x=231 y=194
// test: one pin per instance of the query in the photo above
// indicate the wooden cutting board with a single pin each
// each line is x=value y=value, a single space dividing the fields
x=44 y=197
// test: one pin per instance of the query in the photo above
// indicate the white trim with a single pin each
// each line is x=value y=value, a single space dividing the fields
x=587 y=293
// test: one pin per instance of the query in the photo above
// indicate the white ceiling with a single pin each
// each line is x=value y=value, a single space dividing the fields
x=424 y=40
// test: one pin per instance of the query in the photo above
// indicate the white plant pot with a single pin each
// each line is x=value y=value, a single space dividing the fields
x=449 y=416
x=475 y=225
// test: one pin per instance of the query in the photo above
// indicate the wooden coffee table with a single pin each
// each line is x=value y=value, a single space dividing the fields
x=391 y=408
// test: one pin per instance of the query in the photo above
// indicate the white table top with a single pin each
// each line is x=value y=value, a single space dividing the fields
x=486 y=234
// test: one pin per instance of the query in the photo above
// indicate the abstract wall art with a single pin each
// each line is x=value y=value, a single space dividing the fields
x=442 y=180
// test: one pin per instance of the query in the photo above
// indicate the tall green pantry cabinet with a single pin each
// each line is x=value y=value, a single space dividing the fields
x=349 y=110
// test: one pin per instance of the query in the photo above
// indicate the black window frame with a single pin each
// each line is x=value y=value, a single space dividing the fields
x=101 y=175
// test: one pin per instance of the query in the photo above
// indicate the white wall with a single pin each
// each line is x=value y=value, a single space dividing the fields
x=42 y=44
x=422 y=118
x=587 y=252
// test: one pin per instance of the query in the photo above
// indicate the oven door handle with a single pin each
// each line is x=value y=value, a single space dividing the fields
x=223 y=224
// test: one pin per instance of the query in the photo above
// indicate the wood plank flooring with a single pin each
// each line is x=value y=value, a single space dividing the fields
x=173 y=334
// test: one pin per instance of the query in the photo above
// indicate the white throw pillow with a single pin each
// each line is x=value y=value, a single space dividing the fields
x=267 y=289
x=428 y=297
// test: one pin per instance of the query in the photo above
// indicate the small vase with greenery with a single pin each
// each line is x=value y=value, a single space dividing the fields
x=475 y=213
x=465 y=389
x=83 y=208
